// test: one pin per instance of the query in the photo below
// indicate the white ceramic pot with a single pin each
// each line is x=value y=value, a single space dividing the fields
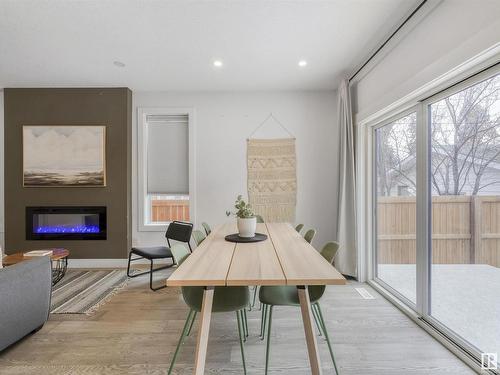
x=246 y=227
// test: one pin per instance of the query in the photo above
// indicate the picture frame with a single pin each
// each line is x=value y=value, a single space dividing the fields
x=64 y=155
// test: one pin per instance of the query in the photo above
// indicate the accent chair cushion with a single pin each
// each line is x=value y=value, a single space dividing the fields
x=154 y=252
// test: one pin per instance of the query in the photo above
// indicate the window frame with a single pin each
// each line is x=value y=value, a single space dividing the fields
x=142 y=170
x=366 y=156
x=373 y=188
x=425 y=108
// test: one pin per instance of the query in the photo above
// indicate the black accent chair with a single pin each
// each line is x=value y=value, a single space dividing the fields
x=177 y=231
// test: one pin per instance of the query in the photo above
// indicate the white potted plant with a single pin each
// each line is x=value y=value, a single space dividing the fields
x=247 y=222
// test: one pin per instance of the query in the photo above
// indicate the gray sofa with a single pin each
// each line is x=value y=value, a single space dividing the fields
x=25 y=290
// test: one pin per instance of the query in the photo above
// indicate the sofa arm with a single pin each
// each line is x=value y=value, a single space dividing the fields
x=25 y=291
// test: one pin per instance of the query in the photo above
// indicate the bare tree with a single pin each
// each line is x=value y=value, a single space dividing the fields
x=465 y=143
x=396 y=151
x=465 y=138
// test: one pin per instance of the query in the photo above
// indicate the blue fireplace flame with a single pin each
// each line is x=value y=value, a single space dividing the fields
x=67 y=229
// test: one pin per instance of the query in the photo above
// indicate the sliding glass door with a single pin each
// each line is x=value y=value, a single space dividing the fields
x=395 y=180
x=436 y=211
x=464 y=175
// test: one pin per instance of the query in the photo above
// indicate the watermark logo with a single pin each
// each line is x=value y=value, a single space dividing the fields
x=489 y=361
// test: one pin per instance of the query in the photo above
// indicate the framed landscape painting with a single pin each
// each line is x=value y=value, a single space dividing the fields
x=60 y=155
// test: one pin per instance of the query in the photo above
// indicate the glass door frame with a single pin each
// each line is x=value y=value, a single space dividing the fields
x=374 y=265
x=426 y=206
x=423 y=207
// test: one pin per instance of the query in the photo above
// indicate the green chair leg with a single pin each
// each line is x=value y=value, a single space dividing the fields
x=268 y=337
x=245 y=322
x=316 y=318
x=192 y=323
x=240 y=333
x=263 y=321
x=239 y=315
x=181 y=340
x=322 y=321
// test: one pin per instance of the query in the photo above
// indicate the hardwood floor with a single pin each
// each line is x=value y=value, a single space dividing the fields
x=137 y=330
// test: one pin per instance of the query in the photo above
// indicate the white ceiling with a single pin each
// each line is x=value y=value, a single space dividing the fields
x=171 y=44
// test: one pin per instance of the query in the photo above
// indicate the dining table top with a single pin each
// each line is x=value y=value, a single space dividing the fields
x=284 y=258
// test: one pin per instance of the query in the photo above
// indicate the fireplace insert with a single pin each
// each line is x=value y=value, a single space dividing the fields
x=66 y=223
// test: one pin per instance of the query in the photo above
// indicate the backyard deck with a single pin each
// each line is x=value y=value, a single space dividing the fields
x=464 y=297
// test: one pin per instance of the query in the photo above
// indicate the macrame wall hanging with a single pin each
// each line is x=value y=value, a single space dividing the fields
x=272 y=175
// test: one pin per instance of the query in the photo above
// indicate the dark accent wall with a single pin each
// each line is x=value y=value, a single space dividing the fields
x=111 y=107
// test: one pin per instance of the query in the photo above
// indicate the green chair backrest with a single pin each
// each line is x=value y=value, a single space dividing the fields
x=179 y=252
x=231 y=298
x=299 y=227
x=309 y=236
x=198 y=237
x=207 y=228
x=260 y=219
x=329 y=251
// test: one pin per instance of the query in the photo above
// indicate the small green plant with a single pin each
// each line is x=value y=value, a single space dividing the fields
x=243 y=209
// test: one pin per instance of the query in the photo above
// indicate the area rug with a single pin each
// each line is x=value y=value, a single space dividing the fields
x=84 y=291
x=272 y=178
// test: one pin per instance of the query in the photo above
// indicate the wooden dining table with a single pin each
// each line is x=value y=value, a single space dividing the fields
x=285 y=258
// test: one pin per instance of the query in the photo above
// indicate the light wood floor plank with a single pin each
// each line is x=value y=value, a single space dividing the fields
x=137 y=330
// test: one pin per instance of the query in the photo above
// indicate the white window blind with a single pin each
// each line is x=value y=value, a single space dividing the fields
x=168 y=154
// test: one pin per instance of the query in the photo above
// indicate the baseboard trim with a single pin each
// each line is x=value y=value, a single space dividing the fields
x=109 y=263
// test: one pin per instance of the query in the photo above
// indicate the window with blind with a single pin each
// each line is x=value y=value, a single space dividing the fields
x=167 y=168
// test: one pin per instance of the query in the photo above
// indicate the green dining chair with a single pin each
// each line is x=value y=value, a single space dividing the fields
x=198 y=236
x=260 y=219
x=207 y=228
x=309 y=236
x=226 y=299
x=271 y=296
x=299 y=227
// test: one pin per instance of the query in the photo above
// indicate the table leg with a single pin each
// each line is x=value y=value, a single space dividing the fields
x=202 y=343
x=312 y=345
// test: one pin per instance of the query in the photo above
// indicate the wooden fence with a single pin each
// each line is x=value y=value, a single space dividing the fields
x=169 y=210
x=465 y=229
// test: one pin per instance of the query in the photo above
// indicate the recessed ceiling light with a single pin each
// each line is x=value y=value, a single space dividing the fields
x=217 y=63
x=118 y=64
x=302 y=63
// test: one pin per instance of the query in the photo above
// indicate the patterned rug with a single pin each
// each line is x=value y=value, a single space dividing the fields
x=84 y=291
x=272 y=178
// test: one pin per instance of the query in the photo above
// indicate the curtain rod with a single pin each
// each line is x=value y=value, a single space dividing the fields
x=388 y=39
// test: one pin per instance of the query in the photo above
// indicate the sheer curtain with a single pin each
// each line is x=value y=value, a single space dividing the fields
x=346 y=260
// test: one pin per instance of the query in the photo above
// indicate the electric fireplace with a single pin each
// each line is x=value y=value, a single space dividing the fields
x=66 y=223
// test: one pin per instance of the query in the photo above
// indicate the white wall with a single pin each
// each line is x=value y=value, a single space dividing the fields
x=453 y=32
x=442 y=36
x=223 y=123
